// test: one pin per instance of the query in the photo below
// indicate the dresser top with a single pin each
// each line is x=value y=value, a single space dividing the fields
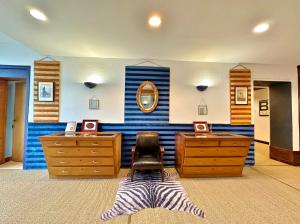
x=212 y=135
x=81 y=135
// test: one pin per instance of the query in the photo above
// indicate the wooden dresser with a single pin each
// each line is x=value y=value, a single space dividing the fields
x=211 y=154
x=82 y=154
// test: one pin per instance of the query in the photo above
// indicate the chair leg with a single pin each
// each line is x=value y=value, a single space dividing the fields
x=132 y=173
x=162 y=175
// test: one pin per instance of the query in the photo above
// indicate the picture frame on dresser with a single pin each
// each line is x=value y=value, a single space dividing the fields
x=70 y=128
x=201 y=127
x=89 y=126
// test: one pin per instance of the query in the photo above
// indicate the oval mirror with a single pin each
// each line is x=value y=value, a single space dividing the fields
x=147 y=97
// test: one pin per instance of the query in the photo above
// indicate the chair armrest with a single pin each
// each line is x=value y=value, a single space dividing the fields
x=133 y=149
x=162 y=149
x=132 y=154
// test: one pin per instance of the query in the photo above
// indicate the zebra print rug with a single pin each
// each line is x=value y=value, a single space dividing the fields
x=147 y=191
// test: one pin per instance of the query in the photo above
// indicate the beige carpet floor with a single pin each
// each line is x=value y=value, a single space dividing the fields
x=267 y=193
x=30 y=197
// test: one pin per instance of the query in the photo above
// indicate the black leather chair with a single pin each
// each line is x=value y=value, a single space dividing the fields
x=147 y=154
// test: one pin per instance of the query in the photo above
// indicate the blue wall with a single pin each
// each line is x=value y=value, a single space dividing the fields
x=34 y=156
x=134 y=76
x=135 y=121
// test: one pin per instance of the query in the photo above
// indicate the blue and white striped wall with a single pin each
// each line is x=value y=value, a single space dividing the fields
x=34 y=156
x=135 y=121
x=134 y=76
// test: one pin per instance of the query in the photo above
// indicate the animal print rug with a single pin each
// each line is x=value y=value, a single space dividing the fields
x=147 y=191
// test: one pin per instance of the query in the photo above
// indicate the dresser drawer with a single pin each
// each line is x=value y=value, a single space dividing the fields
x=201 y=143
x=75 y=152
x=237 y=161
x=215 y=151
x=82 y=171
x=212 y=171
x=234 y=143
x=59 y=143
x=97 y=161
x=95 y=143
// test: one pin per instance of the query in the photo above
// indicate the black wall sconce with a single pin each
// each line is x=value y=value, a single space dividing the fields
x=201 y=88
x=90 y=84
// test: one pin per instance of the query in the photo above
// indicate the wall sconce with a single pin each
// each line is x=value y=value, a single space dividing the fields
x=201 y=88
x=90 y=84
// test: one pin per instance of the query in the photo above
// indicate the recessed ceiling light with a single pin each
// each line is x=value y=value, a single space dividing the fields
x=262 y=27
x=38 y=14
x=154 y=21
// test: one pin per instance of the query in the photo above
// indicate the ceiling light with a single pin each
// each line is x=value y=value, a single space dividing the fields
x=260 y=28
x=38 y=14
x=154 y=21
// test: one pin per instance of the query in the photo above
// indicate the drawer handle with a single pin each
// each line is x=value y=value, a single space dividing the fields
x=57 y=143
x=93 y=151
x=94 y=161
x=62 y=162
x=60 y=152
x=95 y=143
x=97 y=171
x=65 y=171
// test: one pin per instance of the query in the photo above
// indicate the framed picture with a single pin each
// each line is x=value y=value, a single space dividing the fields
x=89 y=126
x=94 y=104
x=202 y=110
x=201 y=127
x=71 y=126
x=45 y=91
x=264 y=108
x=241 y=95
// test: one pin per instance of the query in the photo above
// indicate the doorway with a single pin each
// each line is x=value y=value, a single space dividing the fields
x=14 y=98
x=272 y=120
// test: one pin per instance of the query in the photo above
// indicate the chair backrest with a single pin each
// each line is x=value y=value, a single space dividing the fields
x=147 y=143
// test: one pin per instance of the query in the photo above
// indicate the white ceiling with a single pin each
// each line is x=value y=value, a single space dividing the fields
x=192 y=30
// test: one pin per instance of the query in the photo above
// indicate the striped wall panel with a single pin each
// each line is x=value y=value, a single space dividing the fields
x=240 y=114
x=34 y=157
x=134 y=76
x=46 y=71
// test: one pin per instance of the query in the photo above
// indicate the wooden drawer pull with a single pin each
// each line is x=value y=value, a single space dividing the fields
x=93 y=151
x=94 y=162
x=65 y=171
x=62 y=162
x=60 y=152
x=57 y=143
x=95 y=143
x=97 y=171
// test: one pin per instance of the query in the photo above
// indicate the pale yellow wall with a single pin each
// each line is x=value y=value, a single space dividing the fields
x=262 y=123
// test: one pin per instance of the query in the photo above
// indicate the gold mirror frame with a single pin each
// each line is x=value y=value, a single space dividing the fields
x=138 y=93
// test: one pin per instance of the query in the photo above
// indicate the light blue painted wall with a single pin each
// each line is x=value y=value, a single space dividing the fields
x=10 y=118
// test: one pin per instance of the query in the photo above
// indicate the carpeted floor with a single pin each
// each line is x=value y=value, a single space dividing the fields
x=267 y=193
x=30 y=197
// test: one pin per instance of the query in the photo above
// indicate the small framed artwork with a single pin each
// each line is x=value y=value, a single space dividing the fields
x=241 y=95
x=71 y=126
x=201 y=127
x=45 y=91
x=264 y=108
x=94 y=104
x=89 y=126
x=202 y=110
